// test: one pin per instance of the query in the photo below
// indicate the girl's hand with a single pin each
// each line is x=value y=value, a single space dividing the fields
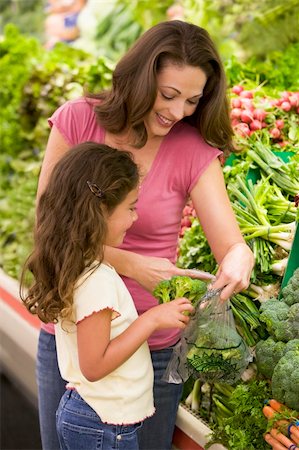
x=234 y=271
x=152 y=270
x=171 y=315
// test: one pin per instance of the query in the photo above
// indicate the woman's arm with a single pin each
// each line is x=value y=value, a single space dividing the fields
x=217 y=219
x=99 y=356
x=148 y=271
x=56 y=148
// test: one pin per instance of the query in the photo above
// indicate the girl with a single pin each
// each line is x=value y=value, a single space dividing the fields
x=90 y=201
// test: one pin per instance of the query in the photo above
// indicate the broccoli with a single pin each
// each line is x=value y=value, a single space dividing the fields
x=218 y=354
x=163 y=291
x=282 y=321
x=290 y=293
x=177 y=287
x=267 y=354
x=285 y=379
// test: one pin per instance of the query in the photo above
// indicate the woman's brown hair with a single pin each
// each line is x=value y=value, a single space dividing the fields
x=134 y=83
x=87 y=183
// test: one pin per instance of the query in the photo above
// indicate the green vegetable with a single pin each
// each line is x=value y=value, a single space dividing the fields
x=177 y=287
x=285 y=379
x=267 y=354
x=290 y=293
x=245 y=427
x=282 y=321
x=219 y=353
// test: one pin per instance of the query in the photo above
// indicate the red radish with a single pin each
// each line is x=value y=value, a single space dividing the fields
x=294 y=100
x=246 y=94
x=187 y=211
x=286 y=106
x=185 y=222
x=247 y=104
x=236 y=103
x=255 y=125
x=243 y=129
x=259 y=114
x=236 y=113
x=237 y=89
x=279 y=123
x=275 y=133
x=234 y=122
x=246 y=116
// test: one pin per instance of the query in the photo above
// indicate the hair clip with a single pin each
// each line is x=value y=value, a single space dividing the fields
x=95 y=189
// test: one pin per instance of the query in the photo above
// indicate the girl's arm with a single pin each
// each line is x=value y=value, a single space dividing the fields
x=212 y=205
x=99 y=356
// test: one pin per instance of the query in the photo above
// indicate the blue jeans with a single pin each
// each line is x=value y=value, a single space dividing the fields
x=156 y=432
x=51 y=388
x=80 y=428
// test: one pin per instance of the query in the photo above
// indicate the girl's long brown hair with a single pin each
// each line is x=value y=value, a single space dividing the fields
x=134 y=83
x=71 y=226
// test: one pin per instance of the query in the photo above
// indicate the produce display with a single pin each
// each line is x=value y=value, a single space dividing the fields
x=263 y=185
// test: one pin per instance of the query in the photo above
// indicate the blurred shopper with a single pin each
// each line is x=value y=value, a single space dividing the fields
x=61 y=21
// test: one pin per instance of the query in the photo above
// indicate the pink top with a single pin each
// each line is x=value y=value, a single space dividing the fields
x=182 y=157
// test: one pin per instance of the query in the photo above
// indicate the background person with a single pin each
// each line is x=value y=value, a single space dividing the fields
x=168 y=107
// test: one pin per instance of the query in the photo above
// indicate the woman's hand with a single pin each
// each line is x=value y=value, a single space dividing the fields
x=152 y=270
x=234 y=271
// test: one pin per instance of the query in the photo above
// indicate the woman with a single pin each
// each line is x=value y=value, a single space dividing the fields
x=168 y=107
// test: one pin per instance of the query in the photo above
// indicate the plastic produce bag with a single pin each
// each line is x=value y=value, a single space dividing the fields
x=210 y=348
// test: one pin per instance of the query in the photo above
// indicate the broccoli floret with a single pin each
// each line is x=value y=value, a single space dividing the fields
x=292 y=345
x=268 y=353
x=285 y=379
x=181 y=286
x=177 y=287
x=290 y=293
x=282 y=321
x=198 y=289
x=163 y=291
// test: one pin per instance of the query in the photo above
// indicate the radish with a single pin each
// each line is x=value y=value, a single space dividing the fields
x=286 y=106
x=294 y=100
x=247 y=104
x=185 y=222
x=246 y=116
x=246 y=94
x=236 y=103
x=242 y=129
x=236 y=113
x=255 y=125
x=237 y=89
x=275 y=133
x=279 y=123
x=259 y=114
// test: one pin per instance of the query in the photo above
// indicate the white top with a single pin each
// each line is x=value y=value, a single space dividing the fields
x=125 y=396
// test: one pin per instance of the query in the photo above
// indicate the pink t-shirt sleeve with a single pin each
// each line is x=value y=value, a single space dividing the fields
x=76 y=121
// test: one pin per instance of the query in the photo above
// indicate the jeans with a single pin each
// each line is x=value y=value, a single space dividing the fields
x=80 y=428
x=51 y=388
x=156 y=432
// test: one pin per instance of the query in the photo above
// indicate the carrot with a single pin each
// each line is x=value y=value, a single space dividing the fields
x=281 y=437
x=277 y=406
x=268 y=411
x=294 y=430
x=274 y=443
x=295 y=438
